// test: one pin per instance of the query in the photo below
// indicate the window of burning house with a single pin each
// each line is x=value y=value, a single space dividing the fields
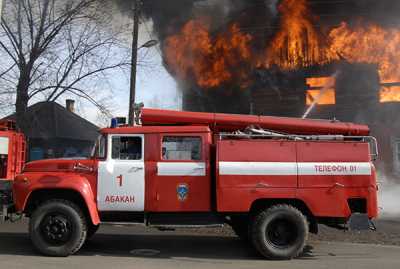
x=181 y=148
x=321 y=91
x=389 y=94
x=396 y=156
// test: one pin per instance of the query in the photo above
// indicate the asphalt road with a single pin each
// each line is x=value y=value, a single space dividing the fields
x=135 y=247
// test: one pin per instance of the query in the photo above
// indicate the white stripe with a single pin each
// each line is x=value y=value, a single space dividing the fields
x=181 y=169
x=293 y=168
x=335 y=169
x=257 y=168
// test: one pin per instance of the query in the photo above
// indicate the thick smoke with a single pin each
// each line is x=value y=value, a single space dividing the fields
x=389 y=198
x=169 y=16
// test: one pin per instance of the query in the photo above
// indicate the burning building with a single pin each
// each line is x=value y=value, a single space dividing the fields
x=316 y=59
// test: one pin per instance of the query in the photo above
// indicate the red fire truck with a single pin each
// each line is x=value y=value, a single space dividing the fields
x=272 y=179
x=12 y=159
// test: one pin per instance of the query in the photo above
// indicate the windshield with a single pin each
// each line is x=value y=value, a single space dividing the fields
x=99 y=149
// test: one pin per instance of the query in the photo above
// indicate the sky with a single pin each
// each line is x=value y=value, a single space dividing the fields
x=155 y=87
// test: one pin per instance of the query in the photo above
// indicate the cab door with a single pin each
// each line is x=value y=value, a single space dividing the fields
x=121 y=177
x=183 y=182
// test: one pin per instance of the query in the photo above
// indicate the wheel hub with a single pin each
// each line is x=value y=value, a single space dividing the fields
x=56 y=229
x=281 y=233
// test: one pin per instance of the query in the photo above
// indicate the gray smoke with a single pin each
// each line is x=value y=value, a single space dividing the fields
x=169 y=16
x=389 y=198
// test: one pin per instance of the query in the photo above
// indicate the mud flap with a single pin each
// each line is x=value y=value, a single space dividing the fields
x=5 y=200
x=360 y=222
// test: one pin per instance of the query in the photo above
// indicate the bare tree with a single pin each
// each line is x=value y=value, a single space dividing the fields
x=52 y=48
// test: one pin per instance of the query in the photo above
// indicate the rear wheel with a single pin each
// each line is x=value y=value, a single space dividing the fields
x=280 y=232
x=58 y=228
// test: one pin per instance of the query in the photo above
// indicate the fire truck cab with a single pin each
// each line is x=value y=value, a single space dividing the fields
x=182 y=169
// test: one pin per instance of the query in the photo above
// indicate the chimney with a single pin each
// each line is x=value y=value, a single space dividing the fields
x=70 y=105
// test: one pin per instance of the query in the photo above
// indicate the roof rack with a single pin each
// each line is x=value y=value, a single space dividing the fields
x=256 y=132
x=232 y=122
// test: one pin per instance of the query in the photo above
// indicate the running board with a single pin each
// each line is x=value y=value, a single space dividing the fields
x=185 y=220
x=164 y=220
x=173 y=227
x=163 y=227
x=122 y=223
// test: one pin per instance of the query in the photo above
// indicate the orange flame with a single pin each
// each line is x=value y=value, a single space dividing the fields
x=211 y=62
x=322 y=91
x=369 y=44
x=321 y=82
x=297 y=43
x=389 y=94
x=196 y=54
x=325 y=97
x=375 y=45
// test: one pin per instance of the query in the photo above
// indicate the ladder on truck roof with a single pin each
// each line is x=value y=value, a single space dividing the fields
x=7 y=125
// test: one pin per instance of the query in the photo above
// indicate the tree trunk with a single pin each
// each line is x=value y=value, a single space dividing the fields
x=21 y=104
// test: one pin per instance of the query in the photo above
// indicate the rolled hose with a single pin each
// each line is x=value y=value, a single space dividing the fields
x=232 y=122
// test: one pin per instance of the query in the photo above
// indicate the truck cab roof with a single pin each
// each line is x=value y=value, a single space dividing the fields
x=156 y=129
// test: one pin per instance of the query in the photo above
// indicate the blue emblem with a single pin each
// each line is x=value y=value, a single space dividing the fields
x=182 y=191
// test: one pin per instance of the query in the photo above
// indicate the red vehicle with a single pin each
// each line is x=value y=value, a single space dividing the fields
x=272 y=179
x=12 y=159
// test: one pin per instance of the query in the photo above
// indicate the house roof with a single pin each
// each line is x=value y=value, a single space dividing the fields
x=49 y=120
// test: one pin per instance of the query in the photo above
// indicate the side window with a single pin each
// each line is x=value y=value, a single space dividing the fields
x=126 y=148
x=179 y=148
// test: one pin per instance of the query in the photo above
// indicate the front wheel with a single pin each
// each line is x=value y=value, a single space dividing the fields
x=279 y=232
x=58 y=228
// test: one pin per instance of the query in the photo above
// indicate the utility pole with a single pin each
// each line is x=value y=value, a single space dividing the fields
x=1 y=9
x=135 y=38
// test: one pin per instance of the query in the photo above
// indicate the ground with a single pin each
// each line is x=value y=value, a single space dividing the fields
x=137 y=247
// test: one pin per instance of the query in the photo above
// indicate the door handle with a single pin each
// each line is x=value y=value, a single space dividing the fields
x=261 y=185
x=336 y=185
x=135 y=169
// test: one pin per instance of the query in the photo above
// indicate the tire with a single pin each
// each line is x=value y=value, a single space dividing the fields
x=279 y=232
x=91 y=230
x=58 y=228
